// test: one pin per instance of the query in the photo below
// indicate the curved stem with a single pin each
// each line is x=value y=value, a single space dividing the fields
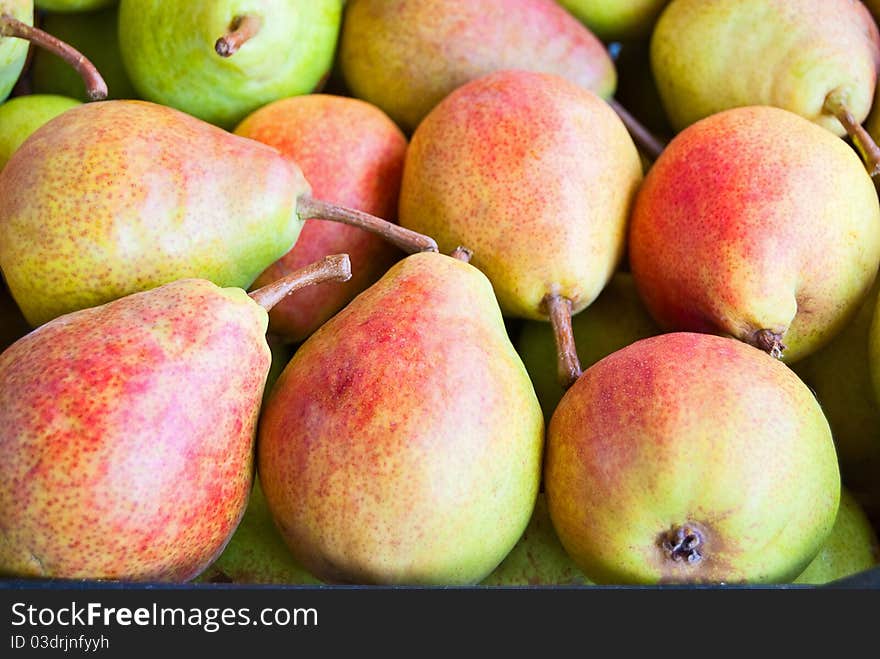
x=241 y=30
x=331 y=268
x=409 y=241
x=650 y=144
x=836 y=105
x=462 y=253
x=96 y=88
x=568 y=363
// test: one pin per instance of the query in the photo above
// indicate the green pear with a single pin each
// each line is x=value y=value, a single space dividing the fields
x=103 y=201
x=265 y=50
x=405 y=56
x=538 y=559
x=851 y=547
x=840 y=375
x=21 y=116
x=127 y=431
x=73 y=5
x=614 y=320
x=691 y=458
x=816 y=58
x=256 y=554
x=402 y=444
x=94 y=34
x=616 y=20
x=13 y=51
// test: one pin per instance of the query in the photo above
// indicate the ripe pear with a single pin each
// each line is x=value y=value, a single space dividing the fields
x=94 y=34
x=538 y=559
x=616 y=20
x=851 y=547
x=616 y=319
x=352 y=154
x=537 y=176
x=13 y=51
x=757 y=224
x=21 y=116
x=402 y=444
x=690 y=458
x=816 y=58
x=405 y=56
x=73 y=5
x=840 y=376
x=127 y=431
x=220 y=60
x=103 y=201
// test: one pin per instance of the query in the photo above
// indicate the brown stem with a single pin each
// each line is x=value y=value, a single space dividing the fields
x=462 y=253
x=96 y=88
x=836 y=105
x=650 y=144
x=770 y=342
x=331 y=268
x=409 y=241
x=241 y=30
x=568 y=364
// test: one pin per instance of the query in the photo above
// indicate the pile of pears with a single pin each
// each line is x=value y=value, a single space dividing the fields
x=439 y=292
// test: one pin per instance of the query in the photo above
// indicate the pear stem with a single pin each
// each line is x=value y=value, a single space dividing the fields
x=407 y=240
x=568 y=363
x=96 y=88
x=331 y=268
x=241 y=30
x=462 y=253
x=650 y=144
x=835 y=105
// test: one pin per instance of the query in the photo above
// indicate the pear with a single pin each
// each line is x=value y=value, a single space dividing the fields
x=127 y=440
x=94 y=34
x=73 y=5
x=402 y=444
x=538 y=559
x=256 y=554
x=757 y=224
x=816 y=58
x=537 y=176
x=220 y=60
x=851 y=547
x=617 y=20
x=21 y=116
x=690 y=458
x=352 y=154
x=616 y=319
x=405 y=56
x=103 y=201
x=840 y=376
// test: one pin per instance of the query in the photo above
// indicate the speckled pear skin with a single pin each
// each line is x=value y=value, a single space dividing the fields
x=73 y=5
x=851 y=547
x=21 y=116
x=403 y=442
x=712 y=56
x=407 y=55
x=127 y=435
x=13 y=52
x=352 y=154
x=691 y=429
x=116 y=197
x=616 y=20
x=168 y=51
x=756 y=219
x=534 y=174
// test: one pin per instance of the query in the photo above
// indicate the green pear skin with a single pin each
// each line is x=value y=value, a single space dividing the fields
x=851 y=548
x=168 y=51
x=13 y=51
x=614 y=320
x=103 y=201
x=405 y=56
x=533 y=173
x=713 y=56
x=21 y=116
x=127 y=440
x=691 y=458
x=403 y=442
x=617 y=20
x=95 y=35
x=538 y=559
